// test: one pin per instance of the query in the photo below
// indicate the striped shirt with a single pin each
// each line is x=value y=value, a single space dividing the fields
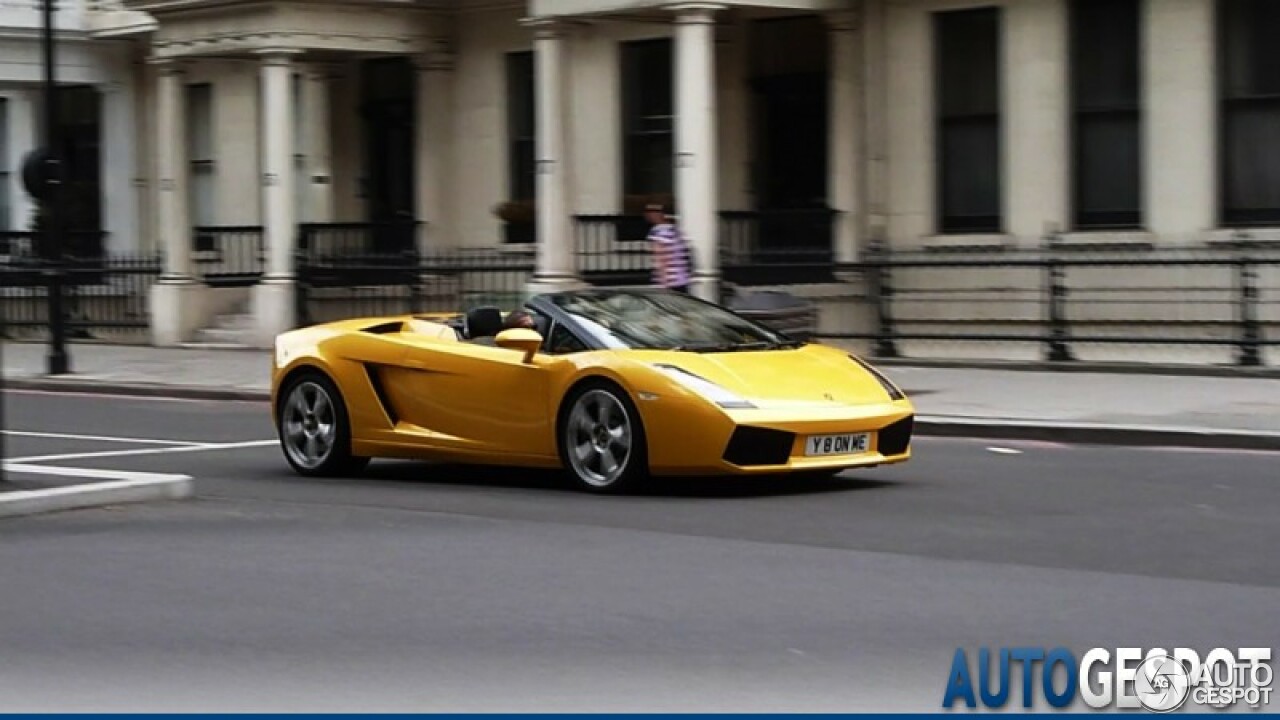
x=671 y=253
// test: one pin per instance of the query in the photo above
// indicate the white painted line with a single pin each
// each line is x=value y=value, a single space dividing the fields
x=204 y=447
x=124 y=487
x=97 y=438
x=127 y=396
x=1004 y=451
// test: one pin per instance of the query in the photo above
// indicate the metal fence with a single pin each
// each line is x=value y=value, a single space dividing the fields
x=104 y=298
x=334 y=287
x=229 y=256
x=1064 y=299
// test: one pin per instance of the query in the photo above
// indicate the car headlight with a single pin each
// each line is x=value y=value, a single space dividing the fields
x=889 y=387
x=704 y=387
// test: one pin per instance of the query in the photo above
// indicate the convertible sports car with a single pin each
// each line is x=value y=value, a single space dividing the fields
x=613 y=385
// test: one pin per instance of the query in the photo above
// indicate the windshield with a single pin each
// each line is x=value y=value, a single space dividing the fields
x=640 y=320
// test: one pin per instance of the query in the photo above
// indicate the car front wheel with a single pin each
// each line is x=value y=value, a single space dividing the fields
x=602 y=440
x=314 y=430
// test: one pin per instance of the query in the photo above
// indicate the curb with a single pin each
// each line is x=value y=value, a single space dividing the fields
x=1096 y=434
x=142 y=487
x=1079 y=366
x=180 y=392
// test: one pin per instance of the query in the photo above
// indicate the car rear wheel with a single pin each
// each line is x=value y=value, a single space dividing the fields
x=315 y=432
x=602 y=440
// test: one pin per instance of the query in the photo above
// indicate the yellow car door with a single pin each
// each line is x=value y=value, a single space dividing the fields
x=478 y=399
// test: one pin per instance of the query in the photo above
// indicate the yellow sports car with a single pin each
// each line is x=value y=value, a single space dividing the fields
x=613 y=385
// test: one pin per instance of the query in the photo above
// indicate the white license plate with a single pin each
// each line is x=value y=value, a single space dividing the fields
x=846 y=444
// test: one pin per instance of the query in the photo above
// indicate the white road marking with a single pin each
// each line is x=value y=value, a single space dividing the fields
x=203 y=447
x=98 y=438
x=121 y=486
x=126 y=396
x=133 y=476
x=1004 y=451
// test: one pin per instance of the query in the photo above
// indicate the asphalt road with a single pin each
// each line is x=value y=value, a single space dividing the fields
x=433 y=588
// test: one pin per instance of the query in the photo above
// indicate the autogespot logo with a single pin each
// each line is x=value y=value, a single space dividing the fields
x=1163 y=683
x=1159 y=681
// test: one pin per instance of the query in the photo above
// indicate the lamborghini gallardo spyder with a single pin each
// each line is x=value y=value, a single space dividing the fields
x=613 y=385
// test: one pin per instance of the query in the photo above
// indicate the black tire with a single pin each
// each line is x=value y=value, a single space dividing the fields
x=336 y=459
x=572 y=436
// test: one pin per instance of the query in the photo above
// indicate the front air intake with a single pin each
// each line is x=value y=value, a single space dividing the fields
x=759 y=446
x=896 y=438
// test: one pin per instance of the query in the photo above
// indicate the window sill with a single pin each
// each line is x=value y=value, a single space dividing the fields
x=1107 y=240
x=1251 y=236
x=974 y=242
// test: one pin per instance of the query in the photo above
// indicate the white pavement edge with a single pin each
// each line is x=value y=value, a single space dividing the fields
x=120 y=487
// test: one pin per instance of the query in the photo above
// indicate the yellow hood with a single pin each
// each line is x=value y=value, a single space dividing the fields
x=814 y=375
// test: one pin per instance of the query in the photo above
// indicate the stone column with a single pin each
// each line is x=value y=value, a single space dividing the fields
x=433 y=147
x=695 y=141
x=176 y=298
x=319 y=139
x=844 y=187
x=1179 y=117
x=273 y=297
x=556 y=266
x=1038 y=159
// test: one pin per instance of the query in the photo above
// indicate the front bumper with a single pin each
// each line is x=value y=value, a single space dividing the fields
x=757 y=442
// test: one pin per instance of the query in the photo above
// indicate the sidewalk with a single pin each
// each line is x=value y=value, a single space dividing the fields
x=1129 y=408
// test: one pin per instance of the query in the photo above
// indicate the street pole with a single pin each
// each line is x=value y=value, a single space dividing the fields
x=52 y=204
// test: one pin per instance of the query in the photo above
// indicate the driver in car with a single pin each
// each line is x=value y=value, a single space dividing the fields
x=518 y=319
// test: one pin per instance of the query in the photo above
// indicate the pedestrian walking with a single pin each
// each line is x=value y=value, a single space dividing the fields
x=672 y=264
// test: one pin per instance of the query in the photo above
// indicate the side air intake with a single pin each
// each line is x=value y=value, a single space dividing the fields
x=896 y=438
x=384 y=400
x=759 y=446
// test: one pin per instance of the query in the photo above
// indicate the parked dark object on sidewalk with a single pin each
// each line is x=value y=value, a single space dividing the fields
x=777 y=310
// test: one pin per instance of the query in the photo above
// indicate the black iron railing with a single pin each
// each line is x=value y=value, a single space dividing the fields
x=777 y=247
x=105 y=298
x=228 y=256
x=322 y=241
x=613 y=249
x=1063 y=298
x=334 y=287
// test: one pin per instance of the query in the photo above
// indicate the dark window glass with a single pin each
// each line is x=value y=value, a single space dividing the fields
x=5 y=176
x=563 y=342
x=1107 y=122
x=968 y=106
x=647 y=115
x=1249 y=85
x=521 y=126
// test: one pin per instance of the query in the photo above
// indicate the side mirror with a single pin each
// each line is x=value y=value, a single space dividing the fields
x=522 y=339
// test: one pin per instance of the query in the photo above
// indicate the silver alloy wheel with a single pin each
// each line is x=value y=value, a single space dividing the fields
x=598 y=438
x=309 y=425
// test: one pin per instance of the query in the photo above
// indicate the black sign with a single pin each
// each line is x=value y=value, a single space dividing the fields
x=40 y=172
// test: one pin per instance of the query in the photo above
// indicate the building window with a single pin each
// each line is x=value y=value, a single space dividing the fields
x=967 y=64
x=1249 y=85
x=301 y=128
x=521 y=127
x=200 y=153
x=1106 y=131
x=647 y=115
x=6 y=176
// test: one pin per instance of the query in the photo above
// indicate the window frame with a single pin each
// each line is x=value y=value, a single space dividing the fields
x=1080 y=112
x=1225 y=104
x=201 y=162
x=635 y=118
x=962 y=225
x=521 y=67
x=6 y=172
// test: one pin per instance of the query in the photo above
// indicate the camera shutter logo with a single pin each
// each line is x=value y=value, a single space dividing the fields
x=1162 y=683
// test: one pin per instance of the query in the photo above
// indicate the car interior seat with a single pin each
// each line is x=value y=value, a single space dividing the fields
x=482 y=322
